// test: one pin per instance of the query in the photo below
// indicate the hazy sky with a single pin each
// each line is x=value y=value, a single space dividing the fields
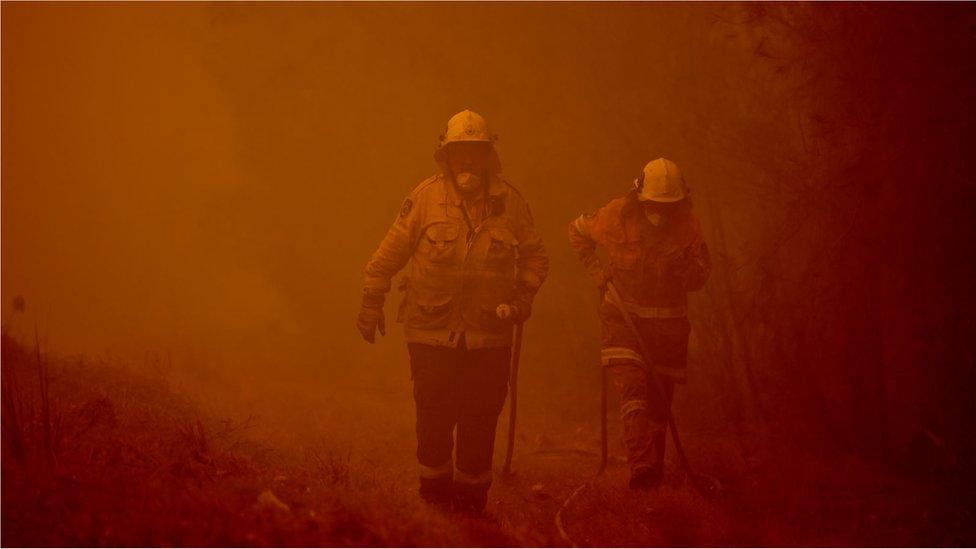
x=209 y=180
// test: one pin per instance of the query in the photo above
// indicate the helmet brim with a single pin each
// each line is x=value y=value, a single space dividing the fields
x=494 y=163
x=664 y=199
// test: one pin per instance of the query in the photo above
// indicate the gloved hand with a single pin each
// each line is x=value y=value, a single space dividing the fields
x=602 y=277
x=506 y=311
x=599 y=273
x=371 y=316
x=518 y=310
x=680 y=265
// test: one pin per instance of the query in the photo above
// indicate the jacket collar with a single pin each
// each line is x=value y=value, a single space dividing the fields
x=631 y=204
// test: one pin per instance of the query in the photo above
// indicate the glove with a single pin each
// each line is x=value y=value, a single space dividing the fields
x=598 y=273
x=605 y=277
x=602 y=277
x=680 y=266
x=371 y=316
x=519 y=310
x=509 y=312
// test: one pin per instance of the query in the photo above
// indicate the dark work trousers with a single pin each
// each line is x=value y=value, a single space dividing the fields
x=463 y=389
x=644 y=410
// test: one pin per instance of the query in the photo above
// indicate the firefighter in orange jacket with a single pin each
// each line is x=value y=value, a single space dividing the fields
x=656 y=255
x=476 y=264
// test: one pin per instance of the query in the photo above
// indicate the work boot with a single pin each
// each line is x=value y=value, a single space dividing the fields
x=658 y=443
x=646 y=478
x=438 y=492
x=654 y=474
x=470 y=499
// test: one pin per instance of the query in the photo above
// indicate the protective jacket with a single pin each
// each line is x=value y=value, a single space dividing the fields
x=653 y=268
x=460 y=273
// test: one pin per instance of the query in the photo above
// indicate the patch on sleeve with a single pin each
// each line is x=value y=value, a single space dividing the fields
x=405 y=209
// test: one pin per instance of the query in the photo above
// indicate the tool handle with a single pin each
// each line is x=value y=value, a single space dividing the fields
x=603 y=419
x=513 y=402
x=618 y=301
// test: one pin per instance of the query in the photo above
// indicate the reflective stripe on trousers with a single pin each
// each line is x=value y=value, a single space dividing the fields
x=441 y=471
x=643 y=413
x=616 y=355
x=483 y=477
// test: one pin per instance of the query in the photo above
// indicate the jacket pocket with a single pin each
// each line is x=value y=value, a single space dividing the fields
x=501 y=248
x=441 y=239
x=428 y=310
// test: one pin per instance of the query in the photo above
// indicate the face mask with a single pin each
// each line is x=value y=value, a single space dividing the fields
x=656 y=219
x=468 y=182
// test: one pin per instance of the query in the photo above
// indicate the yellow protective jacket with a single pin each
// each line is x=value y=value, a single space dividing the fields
x=458 y=274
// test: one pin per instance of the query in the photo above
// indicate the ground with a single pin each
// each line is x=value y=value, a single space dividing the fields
x=125 y=457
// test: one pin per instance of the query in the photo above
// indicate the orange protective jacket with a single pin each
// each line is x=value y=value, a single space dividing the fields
x=460 y=274
x=653 y=268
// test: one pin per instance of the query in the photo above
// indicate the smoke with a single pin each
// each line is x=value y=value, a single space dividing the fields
x=208 y=180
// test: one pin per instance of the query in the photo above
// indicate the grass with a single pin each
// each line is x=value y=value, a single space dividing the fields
x=99 y=453
x=114 y=457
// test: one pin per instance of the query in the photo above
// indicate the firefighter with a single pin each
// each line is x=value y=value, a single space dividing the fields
x=656 y=256
x=476 y=263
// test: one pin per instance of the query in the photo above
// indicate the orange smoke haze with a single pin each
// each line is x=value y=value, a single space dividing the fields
x=207 y=181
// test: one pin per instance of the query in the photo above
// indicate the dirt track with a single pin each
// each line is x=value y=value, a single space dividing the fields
x=772 y=496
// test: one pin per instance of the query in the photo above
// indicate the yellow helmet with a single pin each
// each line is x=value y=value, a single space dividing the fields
x=661 y=181
x=467 y=125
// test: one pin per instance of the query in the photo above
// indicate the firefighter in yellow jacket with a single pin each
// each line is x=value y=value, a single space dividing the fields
x=656 y=256
x=476 y=262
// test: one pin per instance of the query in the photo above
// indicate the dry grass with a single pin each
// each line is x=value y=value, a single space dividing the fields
x=117 y=457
